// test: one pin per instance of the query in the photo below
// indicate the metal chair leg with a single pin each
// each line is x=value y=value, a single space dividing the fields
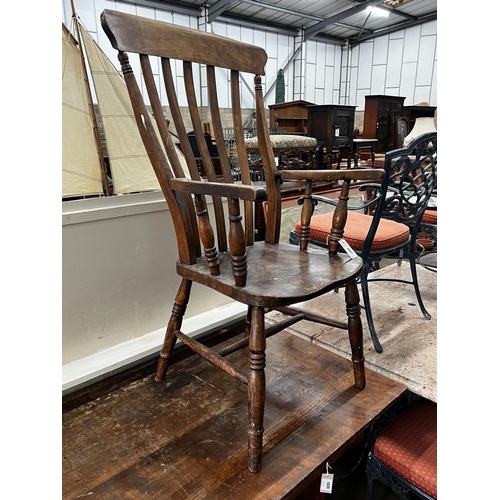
x=368 y=310
x=413 y=268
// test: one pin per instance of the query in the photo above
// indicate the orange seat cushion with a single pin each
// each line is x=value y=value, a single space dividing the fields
x=430 y=217
x=408 y=446
x=389 y=233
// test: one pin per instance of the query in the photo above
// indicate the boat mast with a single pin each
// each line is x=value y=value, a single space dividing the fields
x=91 y=104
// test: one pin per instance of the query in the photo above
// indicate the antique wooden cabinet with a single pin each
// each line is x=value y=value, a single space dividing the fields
x=292 y=115
x=331 y=124
x=380 y=120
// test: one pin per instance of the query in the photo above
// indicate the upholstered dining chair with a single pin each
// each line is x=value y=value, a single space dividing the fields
x=404 y=456
x=290 y=150
x=390 y=220
x=263 y=275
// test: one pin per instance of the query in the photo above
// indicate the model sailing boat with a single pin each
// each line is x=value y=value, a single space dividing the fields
x=83 y=164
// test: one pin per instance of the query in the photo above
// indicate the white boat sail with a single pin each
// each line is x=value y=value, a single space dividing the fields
x=130 y=167
x=81 y=169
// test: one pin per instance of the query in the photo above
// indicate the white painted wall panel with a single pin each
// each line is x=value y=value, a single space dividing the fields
x=397 y=35
x=219 y=28
x=411 y=46
x=319 y=96
x=351 y=86
x=365 y=65
x=182 y=20
x=146 y=12
x=247 y=91
x=310 y=84
x=408 y=74
x=354 y=57
x=119 y=280
x=272 y=45
x=380 y=50
x=320 y=66
x=360 y=99
x=285 y=50
x=392 y=91
x=330 y=85
x=394 y=60
x=310 y=52
x=337 y=68
x=426 y=60
x=223 y=86
x=247 y=35
x=434 y=88
x=164 y=16
x=330 y=54
x=377 y=86
x=88 y=14
x=422 y=94
x=233 y=32
x=429 y=28
x=259 y=38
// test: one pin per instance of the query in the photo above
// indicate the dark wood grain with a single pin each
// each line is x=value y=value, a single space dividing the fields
x=183 y=438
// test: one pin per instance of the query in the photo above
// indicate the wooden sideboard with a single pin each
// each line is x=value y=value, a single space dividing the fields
x=380 y=120
x=292 y=115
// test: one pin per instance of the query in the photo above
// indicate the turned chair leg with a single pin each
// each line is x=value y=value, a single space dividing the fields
x=355 y=330
x=175 y=322
x=256 y=388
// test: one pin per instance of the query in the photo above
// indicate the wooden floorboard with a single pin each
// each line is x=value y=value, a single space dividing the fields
x=186 y=437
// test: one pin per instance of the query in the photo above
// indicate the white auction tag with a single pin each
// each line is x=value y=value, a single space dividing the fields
x=326 y=483
x=348 y=249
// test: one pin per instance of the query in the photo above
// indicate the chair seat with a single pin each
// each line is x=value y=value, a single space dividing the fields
x=430 y=217
x=277 y=274
x=408 y=446
x=285 y=142
x=389 y=233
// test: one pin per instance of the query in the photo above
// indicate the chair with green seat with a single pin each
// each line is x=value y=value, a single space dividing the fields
x=389 y=223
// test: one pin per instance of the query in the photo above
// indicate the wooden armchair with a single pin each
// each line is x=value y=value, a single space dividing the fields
x=263 y=275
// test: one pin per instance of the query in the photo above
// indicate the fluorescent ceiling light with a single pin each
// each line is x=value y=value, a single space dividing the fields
x=375 y=11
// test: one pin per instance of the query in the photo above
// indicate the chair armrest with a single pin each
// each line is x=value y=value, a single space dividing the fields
x=358 y=174
x=323 y=199
x=243 y=192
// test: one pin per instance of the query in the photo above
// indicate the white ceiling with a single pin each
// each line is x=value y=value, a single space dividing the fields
x=336 y=20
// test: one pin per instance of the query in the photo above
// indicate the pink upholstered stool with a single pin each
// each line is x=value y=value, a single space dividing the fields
x=404 y=456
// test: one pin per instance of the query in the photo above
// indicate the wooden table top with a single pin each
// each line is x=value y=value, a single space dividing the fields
x=186 y=437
